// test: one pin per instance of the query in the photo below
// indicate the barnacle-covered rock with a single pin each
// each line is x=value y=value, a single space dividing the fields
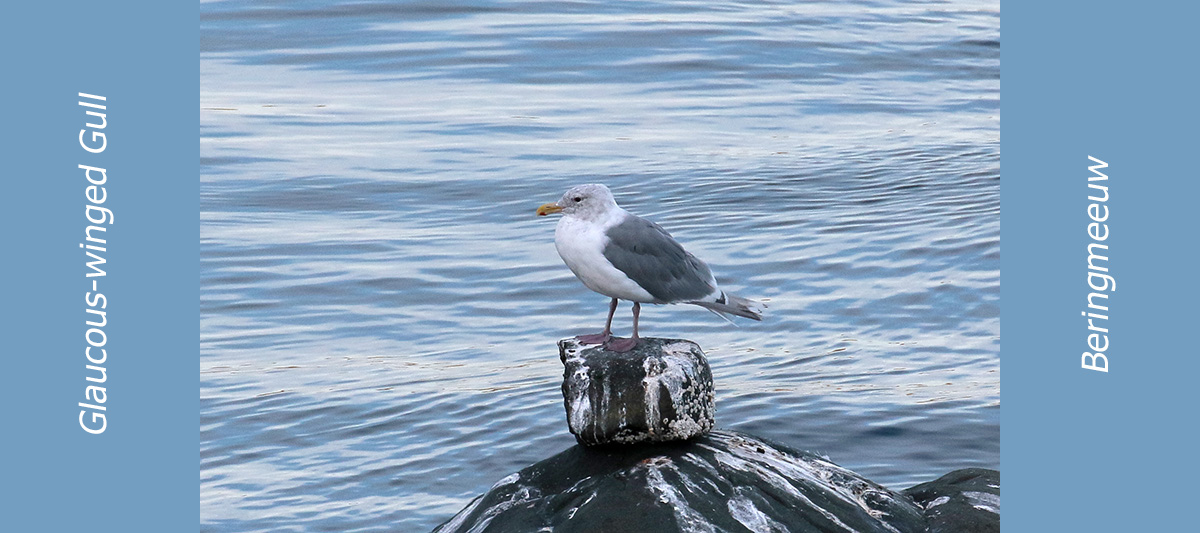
x=662 y=390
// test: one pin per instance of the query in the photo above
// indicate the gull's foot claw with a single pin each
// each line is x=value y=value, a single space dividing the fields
x=621 y=345
x=596 y=338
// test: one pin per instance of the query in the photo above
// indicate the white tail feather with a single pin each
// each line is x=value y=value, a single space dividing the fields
x=729 y=304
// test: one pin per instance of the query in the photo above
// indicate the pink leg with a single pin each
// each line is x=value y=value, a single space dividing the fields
x=624 y=345
x=602 y=337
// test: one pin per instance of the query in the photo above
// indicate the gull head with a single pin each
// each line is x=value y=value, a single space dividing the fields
x=589 y=201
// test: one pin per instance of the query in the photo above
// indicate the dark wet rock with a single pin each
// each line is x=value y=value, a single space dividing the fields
x=680 y=477
x=723 y=481
x=662 y=390
x=963 y=501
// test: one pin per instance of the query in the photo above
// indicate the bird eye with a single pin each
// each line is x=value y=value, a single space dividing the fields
x=578 y=198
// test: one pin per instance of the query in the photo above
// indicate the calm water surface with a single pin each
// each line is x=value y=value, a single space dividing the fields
x=380 y=304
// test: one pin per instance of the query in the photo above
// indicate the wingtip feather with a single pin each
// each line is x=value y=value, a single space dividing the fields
x=735 y=305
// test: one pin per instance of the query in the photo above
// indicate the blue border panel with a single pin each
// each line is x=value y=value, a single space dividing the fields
x=141 y=473
x=1085 y=450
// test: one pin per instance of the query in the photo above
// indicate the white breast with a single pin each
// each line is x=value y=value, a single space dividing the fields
x=581 y=245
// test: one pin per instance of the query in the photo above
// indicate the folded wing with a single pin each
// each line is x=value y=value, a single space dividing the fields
x=651 y=258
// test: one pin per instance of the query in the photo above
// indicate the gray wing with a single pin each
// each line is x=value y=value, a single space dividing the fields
x=651 y=258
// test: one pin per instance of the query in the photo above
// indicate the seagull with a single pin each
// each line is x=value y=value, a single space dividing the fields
x=626 y=257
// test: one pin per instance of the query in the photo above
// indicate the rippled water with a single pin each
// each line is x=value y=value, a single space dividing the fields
x=380 y=304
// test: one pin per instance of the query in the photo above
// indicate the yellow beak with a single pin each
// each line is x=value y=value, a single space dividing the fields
x=547 y=209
